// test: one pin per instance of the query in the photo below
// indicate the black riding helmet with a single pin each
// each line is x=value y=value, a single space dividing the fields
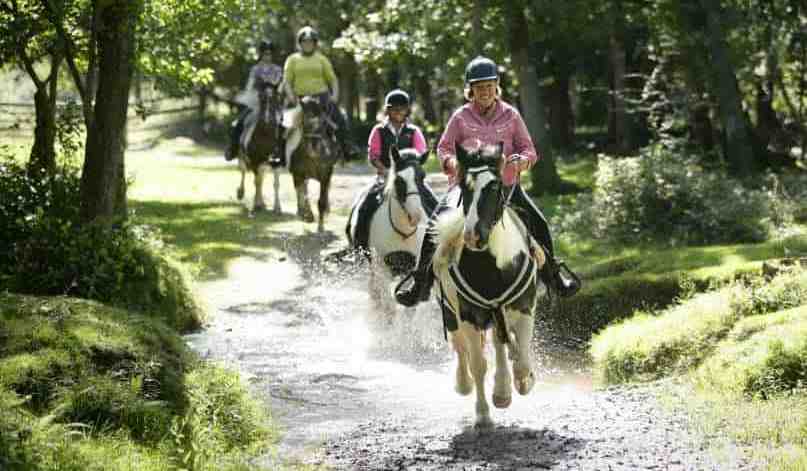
x=265 y=45
x=396 y=97
x=481 y=68
x=307 y=32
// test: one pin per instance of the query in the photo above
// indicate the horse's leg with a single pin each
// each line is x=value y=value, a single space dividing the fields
x=475 y=340
x=503 y=381
x=276 y=207
x=522 y=324
x=463 y=384
x=303 y=205
x=239 y=193
x=259 y=204
x=323 y=204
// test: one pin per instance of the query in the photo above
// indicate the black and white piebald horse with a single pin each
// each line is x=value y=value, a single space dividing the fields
x=261 y=138
x=487 y=279
x=407 y=201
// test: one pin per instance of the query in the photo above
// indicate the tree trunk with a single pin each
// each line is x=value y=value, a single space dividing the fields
x=738 y=144
x=477 y=35
x=43 y=153
x=347 y=84
x=102 y=191
x=544 y=175
x=561 y=114
x=425 y=98
x=617 y=115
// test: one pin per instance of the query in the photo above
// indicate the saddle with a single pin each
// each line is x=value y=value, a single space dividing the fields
x=293 y=123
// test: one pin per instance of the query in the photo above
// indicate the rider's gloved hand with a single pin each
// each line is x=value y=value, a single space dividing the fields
x=519 y=162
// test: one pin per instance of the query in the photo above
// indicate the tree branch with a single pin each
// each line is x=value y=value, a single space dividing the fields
x=70 y=54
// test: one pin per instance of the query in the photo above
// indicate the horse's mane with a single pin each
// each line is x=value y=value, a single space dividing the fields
x=448 y=233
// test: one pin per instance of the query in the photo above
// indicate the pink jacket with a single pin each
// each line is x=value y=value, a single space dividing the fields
x=471 y=130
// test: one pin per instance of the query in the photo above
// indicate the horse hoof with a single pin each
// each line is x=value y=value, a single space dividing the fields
x=463 y=389
x=239 y=194
x=483 y=423
x=525 y=383
x=307 y=217
x=259 y=208
x=277 y=210
x=502 y=402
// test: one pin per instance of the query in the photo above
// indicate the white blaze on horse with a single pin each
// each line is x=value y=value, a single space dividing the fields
x=260 y=138
x=487 y=277
x=407 y=201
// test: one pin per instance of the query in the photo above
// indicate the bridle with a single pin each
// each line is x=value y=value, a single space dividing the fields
x=392 y=222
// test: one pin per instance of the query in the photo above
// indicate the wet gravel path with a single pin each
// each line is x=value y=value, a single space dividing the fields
x=357 y=389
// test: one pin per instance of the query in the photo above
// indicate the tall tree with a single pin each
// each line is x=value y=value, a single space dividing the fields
x=738 y=141
x=545 y=178
x=102 y=190
x=27 y=39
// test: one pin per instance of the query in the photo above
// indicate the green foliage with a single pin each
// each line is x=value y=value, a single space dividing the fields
x=665 y=194
x=651 y=346
x=221 y=425
x=84 y=386
x=45 y=250
x=763 y=356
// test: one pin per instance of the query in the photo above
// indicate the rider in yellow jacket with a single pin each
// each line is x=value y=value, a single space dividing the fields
x=309 y=73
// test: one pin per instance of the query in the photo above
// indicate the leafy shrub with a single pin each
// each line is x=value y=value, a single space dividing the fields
x=25 y=197
x=45 y=250
x=667 y=194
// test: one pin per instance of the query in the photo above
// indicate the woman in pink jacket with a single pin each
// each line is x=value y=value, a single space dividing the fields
x=487 y=120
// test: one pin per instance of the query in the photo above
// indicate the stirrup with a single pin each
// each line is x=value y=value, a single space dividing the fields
x=575 y=284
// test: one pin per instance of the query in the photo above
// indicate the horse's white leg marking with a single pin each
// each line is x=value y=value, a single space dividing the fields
x=259 y=204
x=463 y=384
x=276 y=207
x=503 y=381
x=475 y=340
x=307 y=214
x=241 y=166
x=522 y=325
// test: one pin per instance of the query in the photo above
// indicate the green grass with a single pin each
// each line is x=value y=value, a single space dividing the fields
x=651 y=346
x=87 y=386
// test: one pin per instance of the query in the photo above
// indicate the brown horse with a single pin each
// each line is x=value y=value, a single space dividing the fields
x=260 y=138
x=314 y=157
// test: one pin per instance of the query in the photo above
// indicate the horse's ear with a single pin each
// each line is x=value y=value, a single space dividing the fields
x=462 y=155
x=396 y=156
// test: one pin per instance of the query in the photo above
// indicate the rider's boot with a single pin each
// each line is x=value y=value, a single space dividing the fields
x=422 y=276
x=559 y=278
x=235 y=136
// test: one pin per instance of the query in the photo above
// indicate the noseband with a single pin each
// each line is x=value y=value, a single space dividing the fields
x=503 y=201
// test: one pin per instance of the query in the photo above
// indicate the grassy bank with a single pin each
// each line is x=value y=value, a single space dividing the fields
x=740 y=352
x=85 y=386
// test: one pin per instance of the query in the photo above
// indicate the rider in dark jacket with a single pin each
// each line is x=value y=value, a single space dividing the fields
x=396 y=129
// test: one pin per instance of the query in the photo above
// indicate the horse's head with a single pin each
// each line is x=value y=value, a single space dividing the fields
x=482 y=192
x=312 y=114
x=406 y=184
x=269 y=100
